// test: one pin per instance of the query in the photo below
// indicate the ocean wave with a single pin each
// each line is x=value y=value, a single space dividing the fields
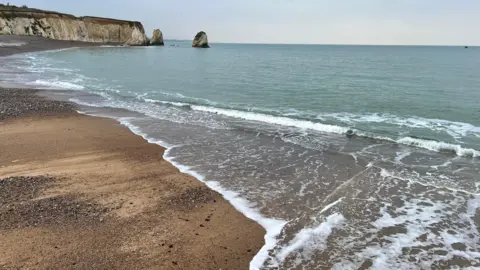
x=44 y=69
x=455 y=129
x=170 y=103
x=56 y=84
x=276 y=120
x=426 y=143
x=270 y=119
x=190 y=99
x=439 y=146
x=83 y=103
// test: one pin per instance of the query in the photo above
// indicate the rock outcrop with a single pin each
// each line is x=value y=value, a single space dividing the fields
x=200 y=40
x=54 y=25
x=157 y=38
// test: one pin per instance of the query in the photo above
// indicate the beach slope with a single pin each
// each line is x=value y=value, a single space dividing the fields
x=84 y=192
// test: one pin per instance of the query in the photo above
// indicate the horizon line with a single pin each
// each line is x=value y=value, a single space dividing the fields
x=329 y=44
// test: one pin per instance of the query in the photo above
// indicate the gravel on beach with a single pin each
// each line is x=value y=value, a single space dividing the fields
x=20 y=208
x=10 y=44
x=25 y=102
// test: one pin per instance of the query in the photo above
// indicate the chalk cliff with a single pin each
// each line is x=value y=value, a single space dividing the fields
x=54 y=25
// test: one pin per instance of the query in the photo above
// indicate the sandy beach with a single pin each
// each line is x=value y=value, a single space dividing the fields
x=82 y=192
x=295 y=135
x=21 y=44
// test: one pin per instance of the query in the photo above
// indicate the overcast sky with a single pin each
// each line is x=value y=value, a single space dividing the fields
x=439 y=22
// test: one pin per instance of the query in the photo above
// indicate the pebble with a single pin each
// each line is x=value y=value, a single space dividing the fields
x=19 y=206
x=24 y=102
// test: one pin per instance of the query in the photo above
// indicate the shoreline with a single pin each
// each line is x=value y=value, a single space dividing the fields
x=249 y=234
x=321 y=183
x=43 y=44
x=272 y=227
x=26 y=44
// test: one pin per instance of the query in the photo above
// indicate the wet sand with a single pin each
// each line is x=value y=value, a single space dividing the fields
x=84 y=192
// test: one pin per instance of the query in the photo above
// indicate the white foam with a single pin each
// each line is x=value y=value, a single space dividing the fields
x=415 y=142
x=178 y=104
x=114 y=46
x=44 y=69
x=384 y=173
x=185 y=98
x=303 y=124
x=331 y=205
x=385 y=256
x=75 y=100
x=11 y=44
x=259 y=117
x=416 y=216
x=472 y=205
x=283 y=121
x=436 y=146
x=454 y=129
x=59 y=50
x=402 y=155
x=273 y=227
x=58 y=85
x=344 y=265
x=386 y=221
x=313 y=238
x=439 y=146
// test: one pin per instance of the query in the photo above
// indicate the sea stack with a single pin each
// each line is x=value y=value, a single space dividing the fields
x=200 y=40
x=157 y=38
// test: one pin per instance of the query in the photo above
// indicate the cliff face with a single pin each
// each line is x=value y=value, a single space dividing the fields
x=60 y=26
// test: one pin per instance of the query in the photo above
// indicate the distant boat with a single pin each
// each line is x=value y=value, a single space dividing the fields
x=466 y=47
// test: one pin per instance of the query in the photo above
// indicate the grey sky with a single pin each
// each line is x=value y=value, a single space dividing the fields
x=442 y=22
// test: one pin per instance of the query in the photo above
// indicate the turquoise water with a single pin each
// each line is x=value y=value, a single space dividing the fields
x=426 y=92
x=265 y=125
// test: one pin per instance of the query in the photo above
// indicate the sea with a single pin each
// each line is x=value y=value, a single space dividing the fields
x=350 y=157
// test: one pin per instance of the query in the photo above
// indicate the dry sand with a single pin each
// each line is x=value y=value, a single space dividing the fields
x=81 y=192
